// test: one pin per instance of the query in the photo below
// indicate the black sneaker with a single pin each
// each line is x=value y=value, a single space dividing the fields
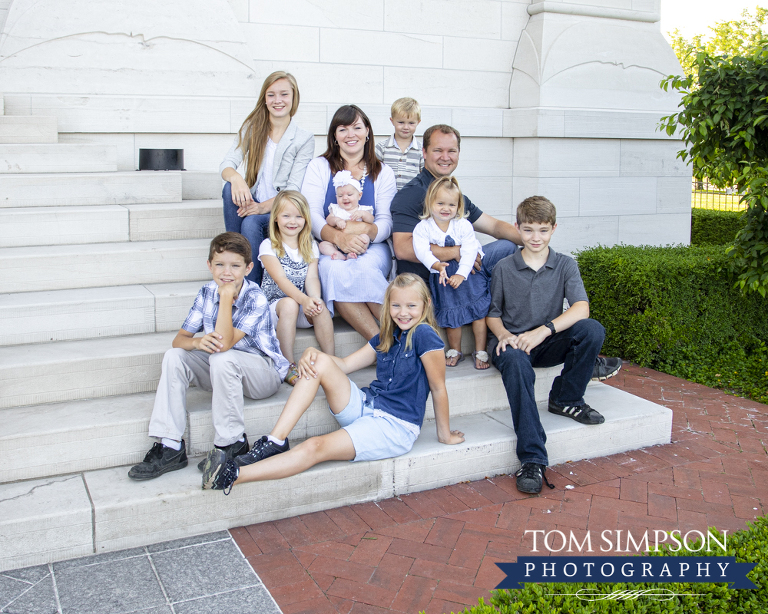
x=159 y=460
x=232 y=450
x=581 y=413
x=605 y=368
x=529 y=478
x=263 y=448
x=219 y=473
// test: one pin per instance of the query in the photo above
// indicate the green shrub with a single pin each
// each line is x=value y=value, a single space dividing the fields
x=748 y=546
x=710 y=227
x=675 y=309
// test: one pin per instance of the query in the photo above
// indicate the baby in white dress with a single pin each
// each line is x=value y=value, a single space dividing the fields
x=346 y=209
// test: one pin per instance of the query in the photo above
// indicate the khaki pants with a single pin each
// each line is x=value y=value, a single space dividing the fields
x=230 y=375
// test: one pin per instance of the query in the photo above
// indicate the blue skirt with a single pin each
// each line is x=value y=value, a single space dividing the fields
x=467 y=303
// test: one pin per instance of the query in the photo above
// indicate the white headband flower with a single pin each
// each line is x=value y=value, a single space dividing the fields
x=343 y=178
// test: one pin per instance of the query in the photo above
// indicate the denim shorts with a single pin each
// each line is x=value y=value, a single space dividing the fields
x=375 y=434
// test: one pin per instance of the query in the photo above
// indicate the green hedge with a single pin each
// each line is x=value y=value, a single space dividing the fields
x=675 y=309
x=710 y=227
x=748 y=546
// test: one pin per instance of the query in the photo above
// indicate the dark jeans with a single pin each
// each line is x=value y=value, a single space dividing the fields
x=255 y=228
x=494 y=252
x=577 y=347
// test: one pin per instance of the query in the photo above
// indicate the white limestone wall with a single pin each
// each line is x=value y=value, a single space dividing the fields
x=556 y=98
x=4 y=6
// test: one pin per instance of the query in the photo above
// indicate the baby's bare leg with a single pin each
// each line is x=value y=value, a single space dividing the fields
x=329 y=249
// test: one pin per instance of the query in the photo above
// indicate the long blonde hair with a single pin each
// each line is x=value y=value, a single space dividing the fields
x=253 y=134
x=404 y=280
x=449 y=183
x=305 y=234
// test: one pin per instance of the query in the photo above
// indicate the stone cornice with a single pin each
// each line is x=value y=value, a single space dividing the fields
x=565 y=8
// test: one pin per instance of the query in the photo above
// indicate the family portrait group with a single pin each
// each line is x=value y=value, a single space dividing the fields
x=382 y=236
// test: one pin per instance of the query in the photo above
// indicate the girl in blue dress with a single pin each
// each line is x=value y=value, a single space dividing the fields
x=460 y=297
x=380 y=421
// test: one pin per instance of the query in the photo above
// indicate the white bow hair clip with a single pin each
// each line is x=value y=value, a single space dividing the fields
x=343 y=178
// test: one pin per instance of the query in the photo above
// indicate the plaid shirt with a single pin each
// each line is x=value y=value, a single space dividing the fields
x=250 y=314
x=406 y=165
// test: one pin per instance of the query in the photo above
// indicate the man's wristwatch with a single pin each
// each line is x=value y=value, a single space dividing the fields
x=551 y=327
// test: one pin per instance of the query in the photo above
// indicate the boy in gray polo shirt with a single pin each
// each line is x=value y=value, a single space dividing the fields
x=530 y=329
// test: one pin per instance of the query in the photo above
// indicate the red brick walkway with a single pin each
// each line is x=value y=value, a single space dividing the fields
x=436 y=550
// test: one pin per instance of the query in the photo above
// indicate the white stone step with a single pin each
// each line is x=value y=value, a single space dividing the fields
x=53 y=372
x=33 y=226
x=68 y=370
x=91 y=313
x=198 y=185
x=106 y=432
x=84 y=369
x=79 y=189
x=28 y=129
x=189 y=219
x=100 y=511
x=58 y=158
x=28 y=226
x=95 y=313
x=64 y=267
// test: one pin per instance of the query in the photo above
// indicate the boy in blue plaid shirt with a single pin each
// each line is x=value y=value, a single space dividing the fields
x=238 y=355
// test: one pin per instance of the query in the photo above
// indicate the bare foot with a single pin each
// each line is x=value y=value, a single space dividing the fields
x=338 y=256
x=351 y=256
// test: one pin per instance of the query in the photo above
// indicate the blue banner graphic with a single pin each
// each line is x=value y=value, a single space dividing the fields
x=626 y=569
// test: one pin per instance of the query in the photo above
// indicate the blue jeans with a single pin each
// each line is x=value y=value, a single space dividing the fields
x=255 y=228
x=577 y=347
x=494 y=252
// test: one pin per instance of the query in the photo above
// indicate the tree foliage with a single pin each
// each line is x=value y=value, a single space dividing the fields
x=732 y=38
x=724 y=122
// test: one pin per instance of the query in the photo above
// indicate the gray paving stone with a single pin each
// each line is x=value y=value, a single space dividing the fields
x=39 y=599
x=10 y=589
x=188 y=541
x=200 y=571
x=28 y=574
x=255 y=599
x=109 y=588
x=98 y=558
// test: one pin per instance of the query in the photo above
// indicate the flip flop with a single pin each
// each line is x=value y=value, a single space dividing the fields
x=482 y=357
x=453 y=354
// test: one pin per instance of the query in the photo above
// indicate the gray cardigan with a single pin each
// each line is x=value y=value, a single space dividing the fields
x=294 y=151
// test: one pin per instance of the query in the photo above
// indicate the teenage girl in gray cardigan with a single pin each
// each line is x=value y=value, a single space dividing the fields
x=275 y=152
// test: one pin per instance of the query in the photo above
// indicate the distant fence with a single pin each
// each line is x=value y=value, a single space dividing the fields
x=706 y=196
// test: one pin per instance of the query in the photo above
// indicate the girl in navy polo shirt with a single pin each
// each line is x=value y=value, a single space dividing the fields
x=380 y=421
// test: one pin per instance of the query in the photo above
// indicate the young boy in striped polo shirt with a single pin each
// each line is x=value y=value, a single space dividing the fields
x=402 y=151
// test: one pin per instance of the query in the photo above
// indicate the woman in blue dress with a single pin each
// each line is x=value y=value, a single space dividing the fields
x=353 y=287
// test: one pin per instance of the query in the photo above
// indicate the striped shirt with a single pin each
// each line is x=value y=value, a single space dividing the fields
x=406 y=164
x=250 y=314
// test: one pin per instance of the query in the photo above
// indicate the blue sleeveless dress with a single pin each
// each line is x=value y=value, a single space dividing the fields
x=360 y=280
x=467 y=303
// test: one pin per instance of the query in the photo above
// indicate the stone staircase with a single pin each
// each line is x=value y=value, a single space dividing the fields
x=100 y=268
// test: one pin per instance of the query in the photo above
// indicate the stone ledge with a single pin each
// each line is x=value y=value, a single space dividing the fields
x=179 y=115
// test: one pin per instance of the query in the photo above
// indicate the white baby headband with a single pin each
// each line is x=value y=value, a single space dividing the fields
x=343 y=178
